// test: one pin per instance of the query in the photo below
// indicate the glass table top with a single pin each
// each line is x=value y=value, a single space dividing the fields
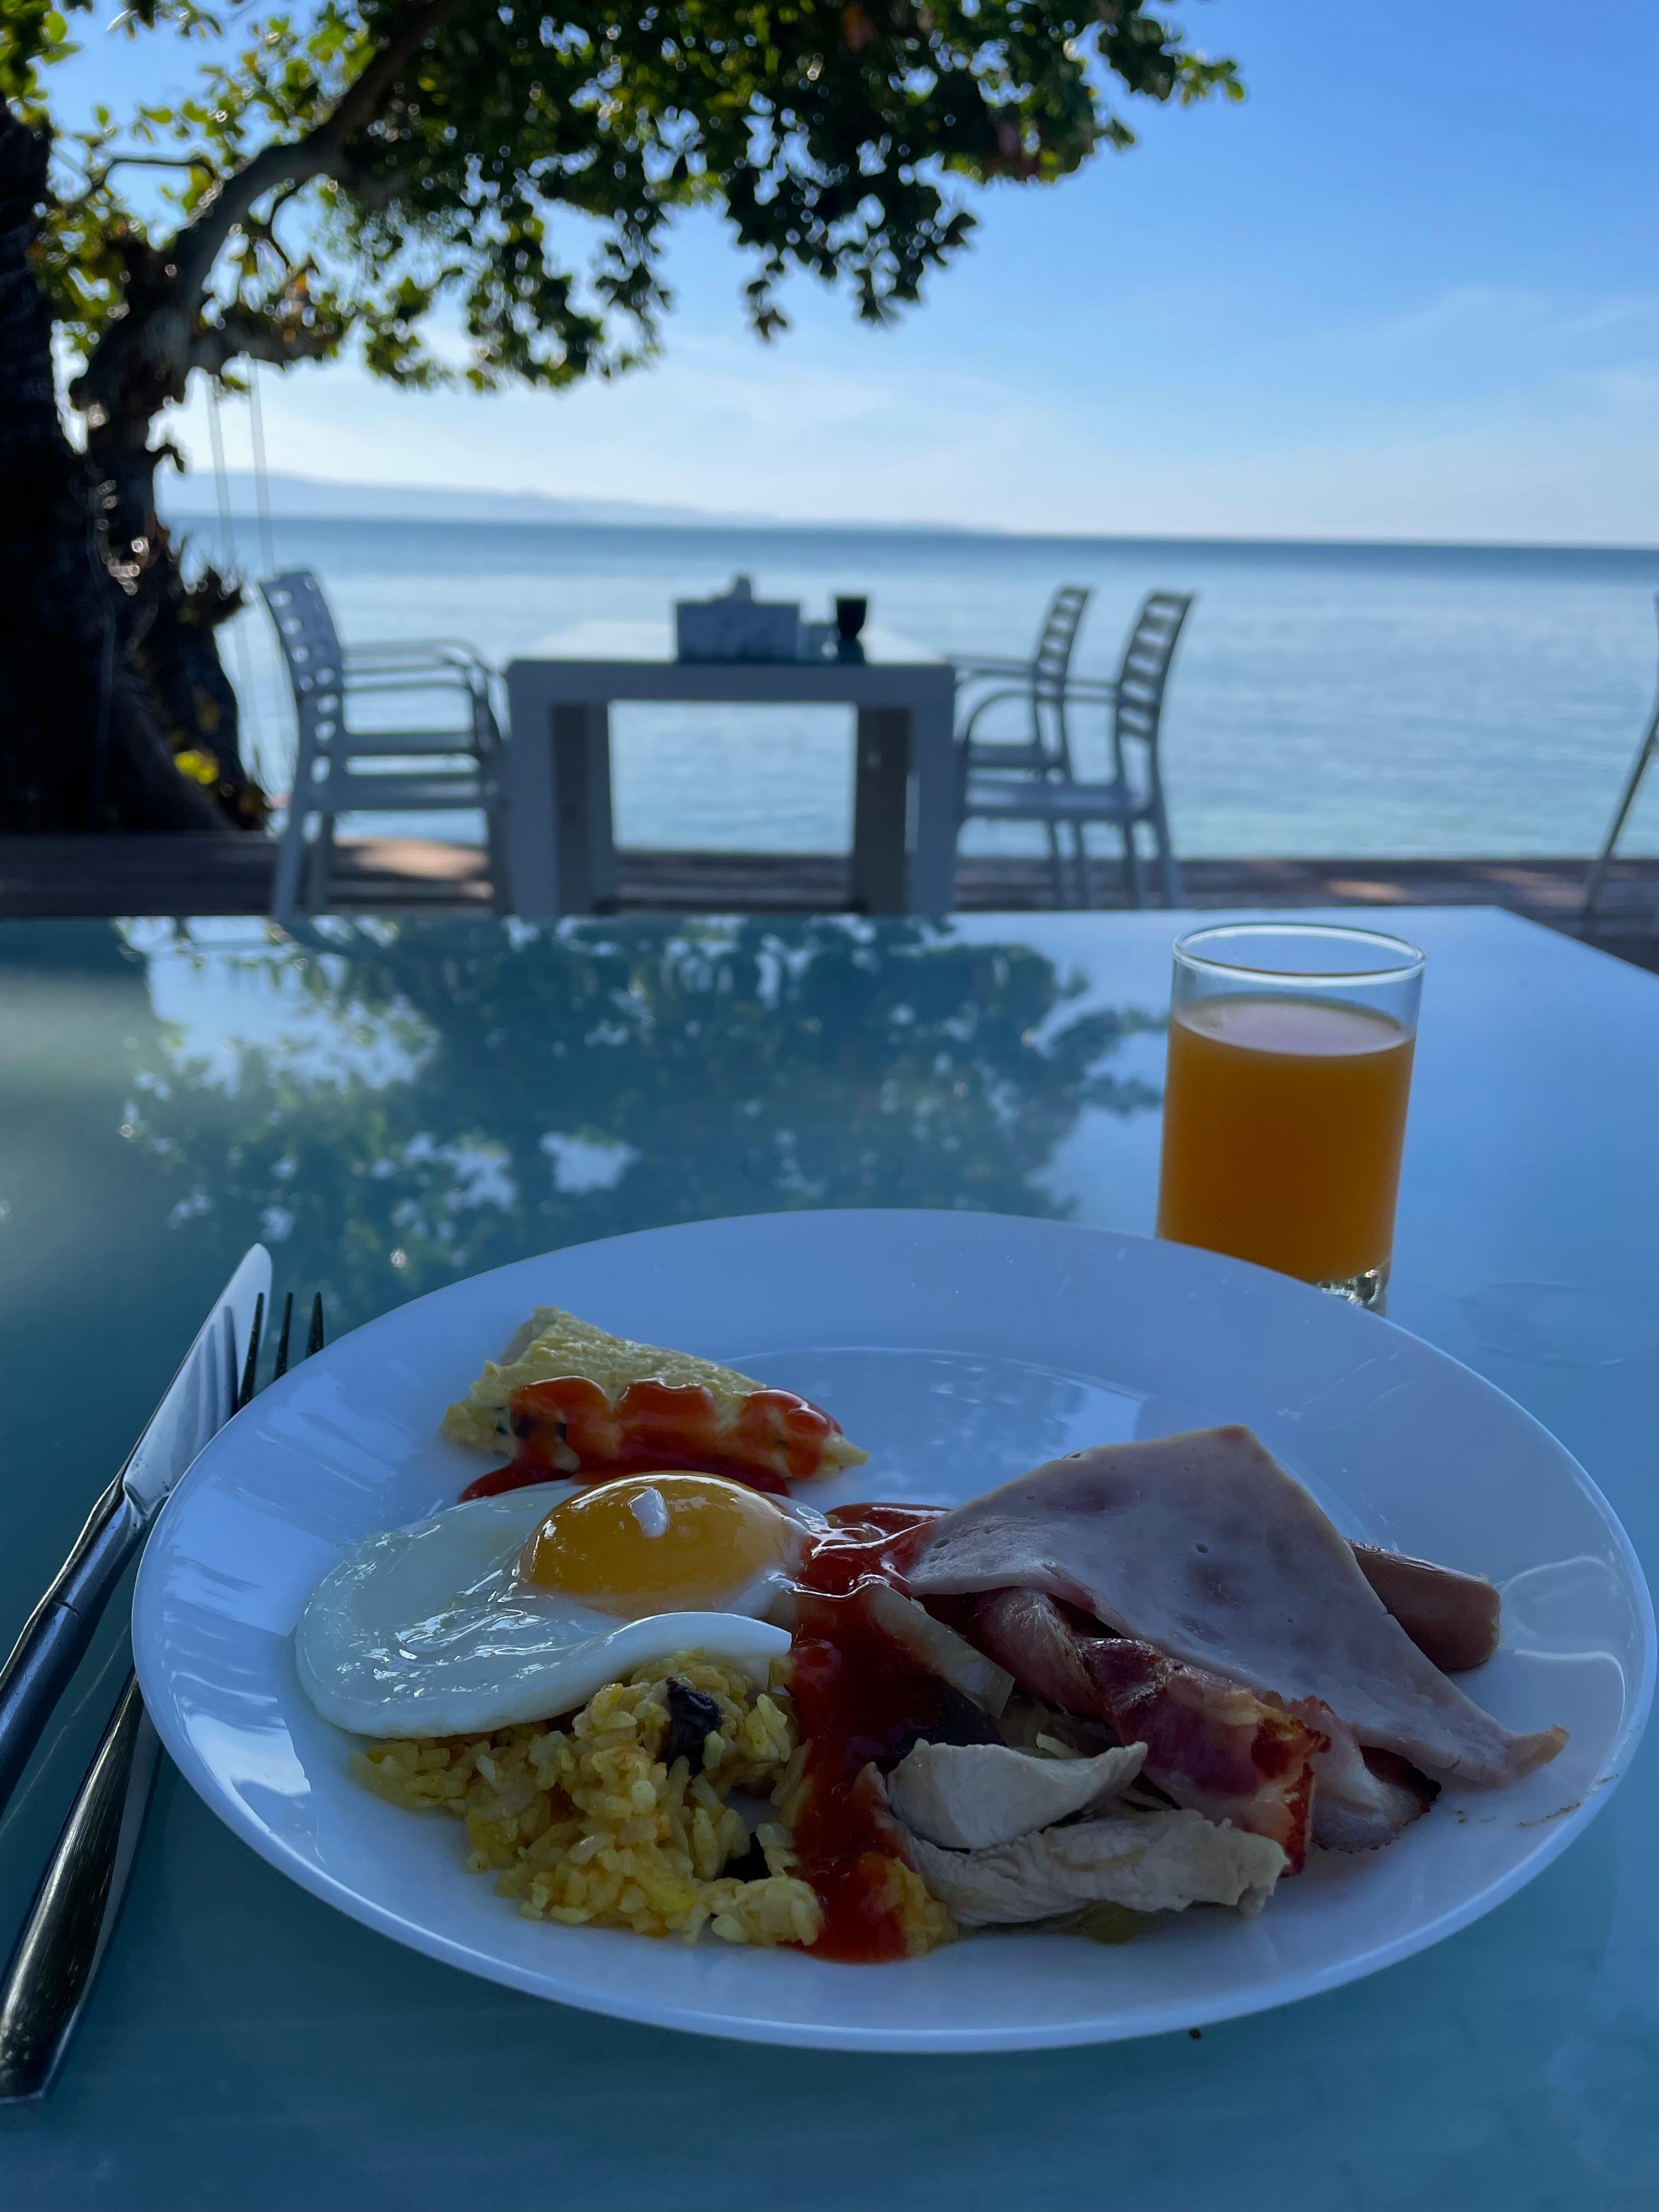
x=392 y=1105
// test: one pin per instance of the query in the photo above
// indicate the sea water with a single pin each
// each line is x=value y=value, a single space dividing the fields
x=1362 y=700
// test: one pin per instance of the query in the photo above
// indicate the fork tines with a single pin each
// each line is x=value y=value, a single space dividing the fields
x=250 y=1364
x=250 y=1384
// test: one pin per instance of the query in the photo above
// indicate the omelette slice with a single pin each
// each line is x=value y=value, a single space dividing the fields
x=567 y=1398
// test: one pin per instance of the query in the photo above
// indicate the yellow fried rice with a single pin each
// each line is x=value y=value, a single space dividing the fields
x=583 y=1823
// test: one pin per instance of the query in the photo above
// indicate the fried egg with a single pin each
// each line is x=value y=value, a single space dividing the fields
x=519 y=1607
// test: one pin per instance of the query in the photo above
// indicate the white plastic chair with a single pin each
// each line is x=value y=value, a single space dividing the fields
x=1644 y=753
x=1043 y=685
x=1037 y=782
x=339 y=769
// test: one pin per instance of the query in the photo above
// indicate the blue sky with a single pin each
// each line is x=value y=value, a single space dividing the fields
x=1407 y=290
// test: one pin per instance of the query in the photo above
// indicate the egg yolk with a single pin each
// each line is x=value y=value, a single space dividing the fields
x=659 y=1543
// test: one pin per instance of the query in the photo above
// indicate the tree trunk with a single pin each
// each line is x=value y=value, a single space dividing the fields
x=169 y=626
x=83 y=746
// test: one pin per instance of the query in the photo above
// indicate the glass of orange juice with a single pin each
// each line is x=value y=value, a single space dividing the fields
x=1289 y=1068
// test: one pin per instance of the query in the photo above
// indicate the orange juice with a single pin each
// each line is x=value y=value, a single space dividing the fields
x=1283 y=1123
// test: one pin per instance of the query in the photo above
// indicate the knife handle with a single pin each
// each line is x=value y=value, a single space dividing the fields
x=57 y=1633
x=75 y=1908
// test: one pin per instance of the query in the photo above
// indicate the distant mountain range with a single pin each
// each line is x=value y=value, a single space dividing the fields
x=195 y=497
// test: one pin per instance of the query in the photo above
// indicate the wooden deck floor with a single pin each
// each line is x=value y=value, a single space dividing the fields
x=109 y=876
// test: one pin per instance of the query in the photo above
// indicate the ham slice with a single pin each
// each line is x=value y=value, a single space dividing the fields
x=1211 y=1745
x=1202 y=1546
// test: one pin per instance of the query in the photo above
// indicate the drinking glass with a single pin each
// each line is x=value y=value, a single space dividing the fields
x=850 y=617
x=1289 y=1067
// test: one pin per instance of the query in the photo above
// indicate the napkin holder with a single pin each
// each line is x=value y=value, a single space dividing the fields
x=737 y=626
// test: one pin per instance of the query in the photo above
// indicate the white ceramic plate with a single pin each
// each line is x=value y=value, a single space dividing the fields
x=960 y=1348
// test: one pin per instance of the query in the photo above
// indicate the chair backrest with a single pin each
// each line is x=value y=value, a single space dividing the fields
x=310 y=645
x=1046 y=750
x=1138 y=709
x=1051 y=664
x=1645 y=752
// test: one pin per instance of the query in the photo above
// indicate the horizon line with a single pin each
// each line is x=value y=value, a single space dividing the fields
x=782 y=525
x=647 y=516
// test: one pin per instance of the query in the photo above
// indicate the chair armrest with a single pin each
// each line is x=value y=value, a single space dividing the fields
x=970 y=680
x=455 y=645
x=969 y=670
x=368 y=682
x=433 y=653
x=992 y=699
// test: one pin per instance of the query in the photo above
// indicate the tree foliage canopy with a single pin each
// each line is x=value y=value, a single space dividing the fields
x=339 y=177
x=383 y=174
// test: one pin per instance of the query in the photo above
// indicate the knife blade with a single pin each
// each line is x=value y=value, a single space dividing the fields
x=198 y=1402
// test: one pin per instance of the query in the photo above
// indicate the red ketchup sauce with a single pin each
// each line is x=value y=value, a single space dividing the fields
x=859 y=1697
x=569 y=1430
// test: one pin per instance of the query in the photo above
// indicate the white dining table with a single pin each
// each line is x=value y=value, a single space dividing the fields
x=561 y=845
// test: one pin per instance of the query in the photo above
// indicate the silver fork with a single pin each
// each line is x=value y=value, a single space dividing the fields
x=68 y=1929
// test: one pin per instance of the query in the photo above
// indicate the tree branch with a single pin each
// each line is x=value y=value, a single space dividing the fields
x=239 y=335
x=196 y=247
x=155 y=161
x=93 y=181
x=162 y=334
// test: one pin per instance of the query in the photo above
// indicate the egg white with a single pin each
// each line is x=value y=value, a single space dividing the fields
x=428 y=1630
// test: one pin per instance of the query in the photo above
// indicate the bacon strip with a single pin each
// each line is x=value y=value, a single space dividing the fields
x=1212 y=1745
x=1362 y=1799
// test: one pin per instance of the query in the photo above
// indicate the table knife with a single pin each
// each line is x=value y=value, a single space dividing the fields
x=62 y=1945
